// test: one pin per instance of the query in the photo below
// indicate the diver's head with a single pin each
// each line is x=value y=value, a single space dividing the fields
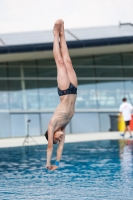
x=57 y=136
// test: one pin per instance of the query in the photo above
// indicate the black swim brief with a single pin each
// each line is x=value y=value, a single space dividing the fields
x=71 y=90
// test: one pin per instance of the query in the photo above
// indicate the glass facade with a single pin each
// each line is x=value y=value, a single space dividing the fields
x=28 y=90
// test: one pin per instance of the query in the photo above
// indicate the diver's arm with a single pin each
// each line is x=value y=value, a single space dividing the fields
x=59 y=152
x=50 y=147
x=49 y=155
x=60 y=148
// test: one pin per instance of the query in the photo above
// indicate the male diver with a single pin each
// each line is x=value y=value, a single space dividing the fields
x=67 y=90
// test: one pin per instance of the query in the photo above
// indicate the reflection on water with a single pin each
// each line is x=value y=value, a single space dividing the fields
x=89 y=170
x=126 y=154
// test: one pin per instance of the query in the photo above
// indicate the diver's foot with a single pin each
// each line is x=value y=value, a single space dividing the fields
x=122 y=134
x=57 y=27
x=62 y=27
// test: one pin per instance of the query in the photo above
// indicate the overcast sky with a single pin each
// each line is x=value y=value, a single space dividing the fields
x=31 y=15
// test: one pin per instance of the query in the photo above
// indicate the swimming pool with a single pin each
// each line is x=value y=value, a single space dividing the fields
x=97 y=170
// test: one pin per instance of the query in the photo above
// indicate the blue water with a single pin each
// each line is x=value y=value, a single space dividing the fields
x=97 y=170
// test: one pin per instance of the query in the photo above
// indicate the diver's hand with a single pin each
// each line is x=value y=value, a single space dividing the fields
x=54 y=167
x=48 y=166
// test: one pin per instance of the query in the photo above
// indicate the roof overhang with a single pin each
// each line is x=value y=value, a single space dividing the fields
x=76 y=48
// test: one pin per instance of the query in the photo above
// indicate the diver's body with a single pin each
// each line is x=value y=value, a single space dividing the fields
x=64 y=111
x=67 y=90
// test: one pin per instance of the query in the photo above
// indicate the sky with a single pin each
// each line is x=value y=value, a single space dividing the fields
x=34 y=15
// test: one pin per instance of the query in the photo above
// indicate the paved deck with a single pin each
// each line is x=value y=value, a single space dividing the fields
x=82 y=137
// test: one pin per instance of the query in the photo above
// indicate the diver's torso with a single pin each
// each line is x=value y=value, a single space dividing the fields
x=64 y=111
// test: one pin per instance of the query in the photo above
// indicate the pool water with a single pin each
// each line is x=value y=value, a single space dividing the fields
x=97 y=170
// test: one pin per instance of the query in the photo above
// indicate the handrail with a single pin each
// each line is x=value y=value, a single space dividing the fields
x=123 y=24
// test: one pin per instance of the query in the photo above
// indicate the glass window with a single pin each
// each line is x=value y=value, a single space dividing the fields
x=111 y=59
x=82 y=61
x=34 y=124
x=47 y=72
x=4 y=65
x=3 y=72
x=31 y=94
x=85 y=122
x=104 y=119
x=14 y=72
x=48 y=95
x=128 y=72
x=129 y=91
x=108 y=72
x=86 y=95
x=127 y=59
x=46 y=62
x=14 y=64
x=109 y=93
x=30 y=63
x=18 y=125
x=47 y=68
x=30 y=69
x=3 y=95
x=84 y=72
x=30 y=72
x=5 y=125
x=15 y=95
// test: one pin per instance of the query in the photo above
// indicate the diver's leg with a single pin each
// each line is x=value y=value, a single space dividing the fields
x=62 y=77
x=66 y=58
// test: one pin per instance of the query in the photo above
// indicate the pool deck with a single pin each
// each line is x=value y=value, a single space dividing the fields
x=82 y=137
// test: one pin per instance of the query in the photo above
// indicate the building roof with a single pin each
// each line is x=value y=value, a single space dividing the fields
x=76 y=38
